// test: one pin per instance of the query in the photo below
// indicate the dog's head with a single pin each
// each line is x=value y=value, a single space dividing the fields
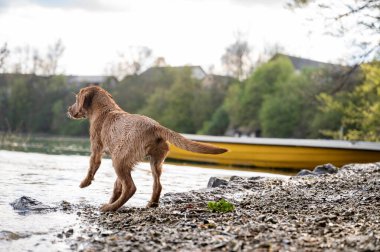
x=79 y=110
x=90 y=99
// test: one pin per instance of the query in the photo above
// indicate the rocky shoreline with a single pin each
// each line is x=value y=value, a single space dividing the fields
x=316 y=212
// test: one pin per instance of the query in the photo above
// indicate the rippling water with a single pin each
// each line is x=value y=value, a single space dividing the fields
x=54 y=178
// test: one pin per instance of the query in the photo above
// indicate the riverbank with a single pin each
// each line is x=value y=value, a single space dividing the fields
x=336 y=212
x=51 y=179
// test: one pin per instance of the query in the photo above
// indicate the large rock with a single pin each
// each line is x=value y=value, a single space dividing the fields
x=10 y=236
x=216 y=182
x=28 y=204
x=325 y=169
x=236 y=178
x=319 y=170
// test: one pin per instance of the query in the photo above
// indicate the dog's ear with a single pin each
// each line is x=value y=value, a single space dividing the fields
x=85 y=99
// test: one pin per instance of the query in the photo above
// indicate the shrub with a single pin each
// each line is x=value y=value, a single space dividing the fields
x=221 y=206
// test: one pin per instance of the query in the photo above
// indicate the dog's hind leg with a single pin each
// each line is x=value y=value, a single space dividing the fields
x=116 y=191
x=157 y=157
x=128 y=188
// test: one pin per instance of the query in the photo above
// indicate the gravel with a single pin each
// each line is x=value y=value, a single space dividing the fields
x=328 y=212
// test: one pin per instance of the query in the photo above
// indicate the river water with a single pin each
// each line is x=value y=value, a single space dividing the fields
x=55 y=178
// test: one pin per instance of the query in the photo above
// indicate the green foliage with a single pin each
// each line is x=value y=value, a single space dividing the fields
x=217 y=125
x=359 y=109
x=134 y=91
x=184 y=106
x=221 y=206
x=30 y=103
x=244 y=101
x=275 y=99
x=172 y=107
x=232 y=104
x=36 y=104
x=279 y=116
x=283 y=103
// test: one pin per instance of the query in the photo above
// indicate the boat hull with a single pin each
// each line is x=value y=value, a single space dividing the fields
x=278 y=156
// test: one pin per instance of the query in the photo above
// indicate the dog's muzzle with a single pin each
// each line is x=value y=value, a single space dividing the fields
x=70 y=113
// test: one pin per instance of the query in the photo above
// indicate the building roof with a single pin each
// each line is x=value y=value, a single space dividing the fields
x=87 y=78
x=302 y=63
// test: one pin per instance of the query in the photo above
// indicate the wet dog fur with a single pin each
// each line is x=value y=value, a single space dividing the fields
x=128 y=139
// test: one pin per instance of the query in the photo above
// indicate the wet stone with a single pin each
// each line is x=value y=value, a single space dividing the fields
x=325 y=169
x=65 y=206
x=9 y=236
x=216 y=182
x=69 y=232
x=27 y=204
x=236 y=178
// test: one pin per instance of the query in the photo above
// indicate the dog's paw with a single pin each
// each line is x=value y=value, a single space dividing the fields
x=85 y=183
x=106 y=208
x=152 y=204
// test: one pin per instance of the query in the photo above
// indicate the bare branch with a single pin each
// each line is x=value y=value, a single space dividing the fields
x=236 y=59
x=4 y=53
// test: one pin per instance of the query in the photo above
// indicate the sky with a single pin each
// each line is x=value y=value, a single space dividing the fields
x=184 y=32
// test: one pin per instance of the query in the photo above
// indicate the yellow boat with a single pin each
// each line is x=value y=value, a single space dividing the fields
x=280 y=153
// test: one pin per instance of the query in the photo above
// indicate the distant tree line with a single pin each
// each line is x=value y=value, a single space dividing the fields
x=275 y=101
x=269 y=98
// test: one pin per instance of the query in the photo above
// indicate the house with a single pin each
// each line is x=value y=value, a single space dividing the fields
x=85 y=80
x=300 y=64
x=197 y=72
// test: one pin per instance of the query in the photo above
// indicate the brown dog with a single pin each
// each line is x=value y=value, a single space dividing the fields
x=128 y=138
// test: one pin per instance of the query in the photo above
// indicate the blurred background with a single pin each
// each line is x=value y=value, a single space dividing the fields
x=286 y=69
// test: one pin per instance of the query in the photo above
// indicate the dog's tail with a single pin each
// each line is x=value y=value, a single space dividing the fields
x=187 y=144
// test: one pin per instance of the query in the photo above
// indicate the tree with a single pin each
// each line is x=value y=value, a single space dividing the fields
x=283 y=103
x=232 y=104
x=53 y=56
x=351 y=16
x=130 y=64
x=172 y=107
x=281 y=111
x=22 y=60
x=133 y=92
x=236 y=59
x=184 y=106
x=360 y=109
x=244 y=102
x=217 y=125
x=4 y=53
x=28 y=60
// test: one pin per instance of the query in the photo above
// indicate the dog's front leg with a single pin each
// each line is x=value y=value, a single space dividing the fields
x=95 y=161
